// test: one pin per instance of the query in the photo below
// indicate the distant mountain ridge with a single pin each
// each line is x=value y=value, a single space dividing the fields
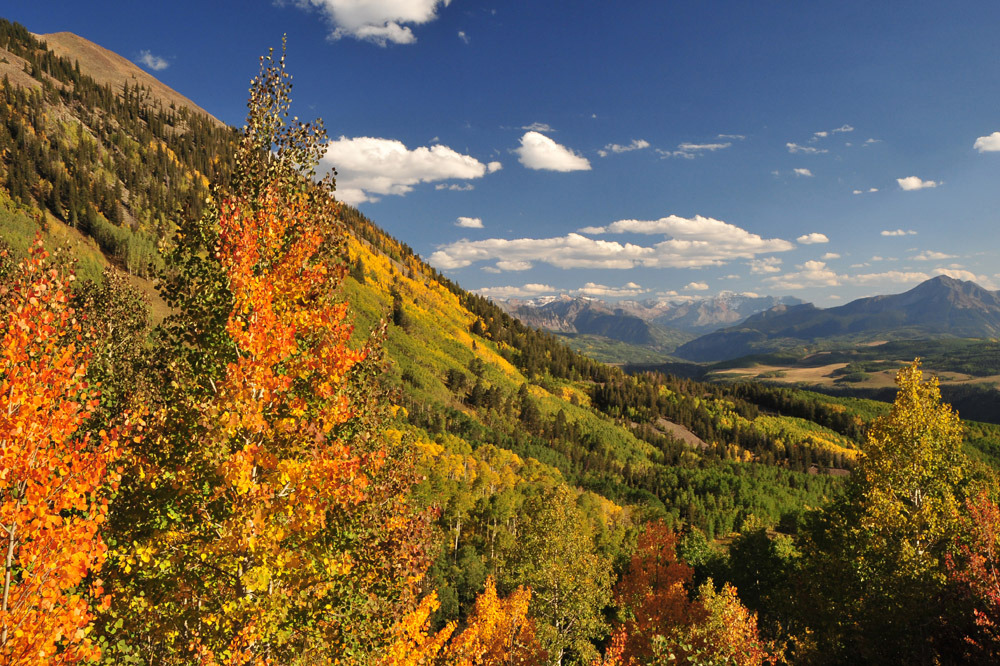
x=939 y=307
x=649 y=323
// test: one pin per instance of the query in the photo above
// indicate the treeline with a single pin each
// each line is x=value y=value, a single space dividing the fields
x=121 y=169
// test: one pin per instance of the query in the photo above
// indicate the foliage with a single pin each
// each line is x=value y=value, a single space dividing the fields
x=268 y=519
x=874 y=561
x=571 y=584
x=53 y=475
x=975 y=571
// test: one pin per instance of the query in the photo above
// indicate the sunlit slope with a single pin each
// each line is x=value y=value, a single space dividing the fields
x=478 y=385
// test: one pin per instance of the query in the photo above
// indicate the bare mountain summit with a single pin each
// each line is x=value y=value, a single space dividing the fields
x=107 y=67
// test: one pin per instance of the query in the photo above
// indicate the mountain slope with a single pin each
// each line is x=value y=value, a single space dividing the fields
x=109 y=68
x=941 y=306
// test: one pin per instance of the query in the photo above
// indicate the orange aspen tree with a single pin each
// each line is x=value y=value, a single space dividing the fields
x=52 y=476
x=498 y=632
x=270 y=507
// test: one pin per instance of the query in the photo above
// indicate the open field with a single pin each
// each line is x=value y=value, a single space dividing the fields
x=827 y=375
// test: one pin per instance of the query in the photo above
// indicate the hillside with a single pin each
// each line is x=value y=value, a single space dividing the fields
x=939 y=307
x=113 y=164
x=108 y=68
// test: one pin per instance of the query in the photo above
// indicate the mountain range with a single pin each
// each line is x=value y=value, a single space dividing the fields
x=939 y=307
x=657 y=324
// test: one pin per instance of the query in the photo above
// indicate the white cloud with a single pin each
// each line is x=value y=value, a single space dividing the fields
x=808 y=150
x=765 y=265
x=514 y=265
x=830 y=255
x=810 y=274
x=493 y=167
x=637 y=144
x=958 y=274
x=154 y=62
x=464 y=37
x=469 y=222
x=871 y=141
x=988 y=144
x=692 y=243
x=538 y=127
x=693 y=150
x=912 y=183
x=803 y=172
x=843 y=128
x=696 y=286
x=455 y=187
x=813 y=239
x=890 y=276
x=932 y=255
x=539 y=152
x=525 y=291
x=368 y=165
x=600 y=290
x=571 y=251
x=378 y=21
x=821 y=135
x=738 y=137
x=899 y=232
x=731 y=276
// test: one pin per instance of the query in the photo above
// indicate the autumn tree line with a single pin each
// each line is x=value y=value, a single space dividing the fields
x=232 y=486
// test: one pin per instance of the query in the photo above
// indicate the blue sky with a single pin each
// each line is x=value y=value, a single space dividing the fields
x=828 y=150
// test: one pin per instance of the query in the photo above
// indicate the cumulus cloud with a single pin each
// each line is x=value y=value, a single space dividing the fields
x=455 y=187
x=803 y=172
x=637 y=144
x=369 y=166
x=869 y=141
x=154 y=62
x=513 y=265
x=813 y=239
x=810 y=274
x=381 y=21
x=830 y=255
x=696 y=286
x=988 y=144
x=691 y=243
x=808 y=150
x=603 y=291
x=932 y=255
x=469 y=222
x=899 y=232
x=539 y=152
x=912 y=183
x=464 y=37
x=765 y=265
x=959 y=274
